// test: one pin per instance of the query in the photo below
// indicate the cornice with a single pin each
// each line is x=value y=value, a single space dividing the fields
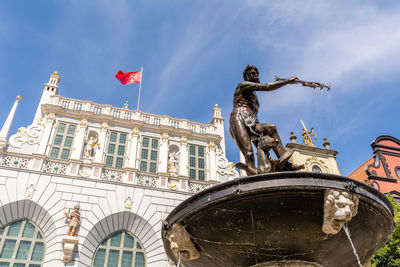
x=311 y=149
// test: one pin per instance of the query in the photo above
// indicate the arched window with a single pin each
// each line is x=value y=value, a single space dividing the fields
x=120 y=249
x=316 y=169
x=21 y=245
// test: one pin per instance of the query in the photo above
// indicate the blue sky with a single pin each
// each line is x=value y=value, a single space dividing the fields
x=193 y=54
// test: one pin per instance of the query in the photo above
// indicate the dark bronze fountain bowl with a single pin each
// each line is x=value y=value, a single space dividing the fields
x=277 y=217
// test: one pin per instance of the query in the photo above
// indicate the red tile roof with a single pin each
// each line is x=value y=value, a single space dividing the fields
x=360 y=174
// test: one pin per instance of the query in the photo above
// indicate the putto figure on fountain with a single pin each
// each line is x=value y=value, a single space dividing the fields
x=245 y=128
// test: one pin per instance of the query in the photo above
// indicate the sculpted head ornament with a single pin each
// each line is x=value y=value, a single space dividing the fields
x=339 y=208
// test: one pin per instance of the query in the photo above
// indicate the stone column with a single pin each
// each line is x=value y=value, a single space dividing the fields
x=44 y=140
x=212 y=159
x=79 y=140
x=183 y=160
x=163 y=159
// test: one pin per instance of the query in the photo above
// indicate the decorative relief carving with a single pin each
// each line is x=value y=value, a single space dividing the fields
x=26 y=135
x=30 y=190
x=172 y=184
x=84 y=123
x=85 y=171
x=112 y=176
x=227 y=168
x=195 y=188
x=183 y=140
x=180 y=243
x=41 y=122
x=147 y=180
x=211 y=145
x=165 y=137
x=339 y=208
x=315 y=161
x=15 y=162
x=128 y=204
x=104 y=127
x=55 y=167
x=134 y=133
x=50 y=117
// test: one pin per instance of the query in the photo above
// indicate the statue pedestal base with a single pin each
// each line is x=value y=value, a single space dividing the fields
x=69 y=243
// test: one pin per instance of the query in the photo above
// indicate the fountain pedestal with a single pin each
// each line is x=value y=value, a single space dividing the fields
x=276 y=219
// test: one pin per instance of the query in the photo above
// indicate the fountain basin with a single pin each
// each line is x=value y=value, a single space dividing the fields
x=277 y=218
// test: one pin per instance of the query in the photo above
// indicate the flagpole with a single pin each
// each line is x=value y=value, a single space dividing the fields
x=140 y=87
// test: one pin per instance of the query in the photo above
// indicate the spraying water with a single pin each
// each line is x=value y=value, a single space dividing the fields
x=346 y=230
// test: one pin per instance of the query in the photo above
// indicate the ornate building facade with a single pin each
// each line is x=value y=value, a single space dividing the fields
x=382 y=170
x=89 y=185
x=314 y=159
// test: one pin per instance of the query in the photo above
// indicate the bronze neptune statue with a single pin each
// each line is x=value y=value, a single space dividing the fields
x=245 y=128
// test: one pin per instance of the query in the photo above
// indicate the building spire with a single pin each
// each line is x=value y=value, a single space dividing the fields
x=7 y=125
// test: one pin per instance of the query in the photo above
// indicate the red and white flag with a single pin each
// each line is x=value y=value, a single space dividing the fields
x=129 y=77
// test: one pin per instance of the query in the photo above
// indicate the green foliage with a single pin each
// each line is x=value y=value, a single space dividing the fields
x=389 y=255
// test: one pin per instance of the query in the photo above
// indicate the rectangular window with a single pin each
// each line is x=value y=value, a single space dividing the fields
x=121 y=150
x=145 y=142
x=61 y=127
x=65 y=154
x=192 y=174
x=71 y=129
x=68 y=141
x=149 y=155
x=197 y=162
x=116 y=149
x=54 y=152
x=143 y=166
x=122 y=138
x=119 y=162
x=153 y=155
x=58 y=139
x=63 y=140
x=109 y=161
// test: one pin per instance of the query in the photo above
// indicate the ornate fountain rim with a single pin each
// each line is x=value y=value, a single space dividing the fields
x=272 y=182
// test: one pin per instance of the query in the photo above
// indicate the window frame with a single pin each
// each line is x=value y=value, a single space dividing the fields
x=149 y=151
x=105 y=244
x=196 y=159
x=116 y=149
x=18 y=238
x=65 y=135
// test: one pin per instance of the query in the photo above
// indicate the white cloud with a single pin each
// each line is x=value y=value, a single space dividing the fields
x=343 y=43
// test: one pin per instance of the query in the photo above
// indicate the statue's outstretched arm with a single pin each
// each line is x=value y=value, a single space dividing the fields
x=271 y=86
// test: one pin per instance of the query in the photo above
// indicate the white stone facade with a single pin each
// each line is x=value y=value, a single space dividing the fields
x=39 y=188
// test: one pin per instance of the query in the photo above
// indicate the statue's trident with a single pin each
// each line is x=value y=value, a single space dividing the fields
x=308 y=84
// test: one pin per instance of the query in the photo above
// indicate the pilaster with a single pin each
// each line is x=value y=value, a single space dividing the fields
x=98 y=157
x=212 y=159
x=44 y=140
x=132 y=148
x=79 y=140
x=183 y=160
x=163 y=159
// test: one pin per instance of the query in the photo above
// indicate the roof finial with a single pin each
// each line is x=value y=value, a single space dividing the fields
x=7 y=124
x=126 y=105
